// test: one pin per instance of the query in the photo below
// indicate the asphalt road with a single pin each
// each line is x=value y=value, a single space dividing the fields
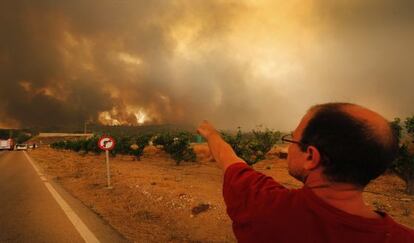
x=35 y=209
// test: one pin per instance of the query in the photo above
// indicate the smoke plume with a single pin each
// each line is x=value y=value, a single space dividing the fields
x=237 y=63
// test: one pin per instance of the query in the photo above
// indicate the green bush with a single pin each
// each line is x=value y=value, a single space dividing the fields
x=123 y=145
x=141 y=142
x=92 y=145
x=177 y=145
x=86 y=145
x=75 y=145
x=22 y=137
x=58 y=145
x=403 y=165
x=252 y=147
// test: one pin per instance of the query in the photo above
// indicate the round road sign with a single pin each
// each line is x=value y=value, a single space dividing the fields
x=106 y=143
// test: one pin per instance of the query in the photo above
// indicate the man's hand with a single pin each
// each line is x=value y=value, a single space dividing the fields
x=221 y=151
x=206 y=130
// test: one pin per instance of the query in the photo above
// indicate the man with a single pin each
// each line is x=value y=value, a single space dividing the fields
x=336 y=150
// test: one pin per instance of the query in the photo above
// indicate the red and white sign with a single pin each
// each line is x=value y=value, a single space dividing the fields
x=106 y=143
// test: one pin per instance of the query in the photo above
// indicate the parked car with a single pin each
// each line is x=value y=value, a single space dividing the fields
x=21 y=147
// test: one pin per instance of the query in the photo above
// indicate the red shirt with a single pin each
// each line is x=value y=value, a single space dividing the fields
x=262 y=210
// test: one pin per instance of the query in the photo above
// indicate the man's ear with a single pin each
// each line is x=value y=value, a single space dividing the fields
x=313 y=159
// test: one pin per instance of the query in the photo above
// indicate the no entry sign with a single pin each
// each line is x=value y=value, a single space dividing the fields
x=106 y=143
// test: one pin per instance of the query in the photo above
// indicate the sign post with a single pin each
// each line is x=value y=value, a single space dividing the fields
x=107 y=143
x=108 y=172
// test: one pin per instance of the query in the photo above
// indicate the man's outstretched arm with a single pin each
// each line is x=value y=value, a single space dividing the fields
x=245 y=190
x=222 y=152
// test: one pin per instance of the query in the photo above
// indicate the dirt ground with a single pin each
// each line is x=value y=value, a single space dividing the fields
x=153 y=200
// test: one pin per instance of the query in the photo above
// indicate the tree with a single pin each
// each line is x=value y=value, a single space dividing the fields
x=404 y=168
x=22 y=137
x=141 y=142
x=403 y=165
x=177 y=145
x=396 y=127
x=122 y=145
x=252 y=147
x=409 y=125
x=92 y=145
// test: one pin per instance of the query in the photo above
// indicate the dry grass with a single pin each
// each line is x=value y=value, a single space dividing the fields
x=154 y=200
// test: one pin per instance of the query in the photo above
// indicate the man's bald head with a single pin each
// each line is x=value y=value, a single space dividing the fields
x=376 y=123
x=356 y=144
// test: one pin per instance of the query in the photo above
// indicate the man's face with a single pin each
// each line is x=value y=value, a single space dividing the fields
x=296 y=157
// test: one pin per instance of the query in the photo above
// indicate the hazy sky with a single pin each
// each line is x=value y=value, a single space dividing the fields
x=236 y=63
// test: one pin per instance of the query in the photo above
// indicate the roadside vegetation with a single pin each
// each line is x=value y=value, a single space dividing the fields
x=251 y=146
x=176 y=144
x=19 y=135
x=404 y=164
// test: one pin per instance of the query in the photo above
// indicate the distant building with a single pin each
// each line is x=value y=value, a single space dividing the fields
x=49 y=134
x=48 y=138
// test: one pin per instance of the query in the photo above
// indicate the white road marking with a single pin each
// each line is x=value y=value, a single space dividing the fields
x=83 y=230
